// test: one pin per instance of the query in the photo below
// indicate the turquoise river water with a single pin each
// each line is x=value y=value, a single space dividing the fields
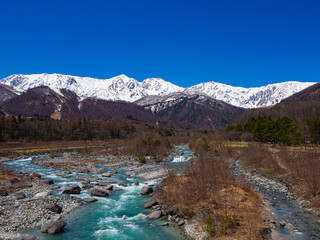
x=118 y=214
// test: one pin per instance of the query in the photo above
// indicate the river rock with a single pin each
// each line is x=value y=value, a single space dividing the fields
x=98 y=191
x=115 y=188
x=151 y=203
x=35 y=175
x=106 y=174
x=48 y=181
x=146 y=190
x=20 y=195
x=103 y=183
x=3 y=193
x=74 y=189
x=87 y=186
x=53 y=227
x=55 y=208
x=114 y=171
x=154 y=215
x=25 y=237
x=90 y=200
x=42 y=194
x=181 y=222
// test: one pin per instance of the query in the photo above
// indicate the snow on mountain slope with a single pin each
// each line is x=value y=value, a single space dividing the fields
x=116 y=88
x=128 y=89
x=251 y=97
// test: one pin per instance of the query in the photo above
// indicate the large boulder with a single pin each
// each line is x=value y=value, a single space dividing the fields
x=55 y=208
x=53 y=227
x=99 y=191
x=146 y=190
x=73 y=189
x=151 y=203
x=154 y=215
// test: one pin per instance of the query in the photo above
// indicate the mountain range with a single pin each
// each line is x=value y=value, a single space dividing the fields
x=128 y=89
x=152 y=101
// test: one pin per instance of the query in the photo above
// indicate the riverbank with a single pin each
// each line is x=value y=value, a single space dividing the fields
x=26 y=200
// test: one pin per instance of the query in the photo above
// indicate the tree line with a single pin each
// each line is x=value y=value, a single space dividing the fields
x=284 y=130
x=45 y=129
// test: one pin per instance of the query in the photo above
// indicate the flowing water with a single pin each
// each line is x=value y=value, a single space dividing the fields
x=118 y=216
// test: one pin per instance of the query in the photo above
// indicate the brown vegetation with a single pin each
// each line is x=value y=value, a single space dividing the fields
x=208 y=191
x=304 y=169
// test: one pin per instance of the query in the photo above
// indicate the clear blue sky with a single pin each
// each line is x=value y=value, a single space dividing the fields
x=239 y=42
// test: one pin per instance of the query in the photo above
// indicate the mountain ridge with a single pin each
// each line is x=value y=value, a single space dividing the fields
x=129 y=89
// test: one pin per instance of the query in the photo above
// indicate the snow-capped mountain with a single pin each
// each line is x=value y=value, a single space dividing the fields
x=251 y=97
x=117 y=88
x=128 y=89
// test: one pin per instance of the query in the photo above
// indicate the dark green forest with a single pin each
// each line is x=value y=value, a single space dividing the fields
x=283 y=130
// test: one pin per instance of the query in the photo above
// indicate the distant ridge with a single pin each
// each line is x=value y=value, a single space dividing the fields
x=128 y=89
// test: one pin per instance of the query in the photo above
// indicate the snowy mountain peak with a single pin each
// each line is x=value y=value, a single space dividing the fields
x=129 y=89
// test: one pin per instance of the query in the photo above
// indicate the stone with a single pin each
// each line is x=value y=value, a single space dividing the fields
x=87 y=186
x=265 y=232
x=3 y=193
x=53 y=227
x=35 y=175
x=106 y=174
x=165 y=224
x=20 y=195
x=146 y=190
x=90 y=200
x=68 y=172
x=55 y=208
x=282 y=224
x=136 y=183
x=42 y=194
x=25 y=237
x=73 y=189
x=48 y=181
x=103 y=228
x=114 y=171
x=98 y=191
x=55 y=187
x=154 y=215
x=151 y=203
x=181 y=222
x=115 y=188
x=123 y=185
x=106 y=184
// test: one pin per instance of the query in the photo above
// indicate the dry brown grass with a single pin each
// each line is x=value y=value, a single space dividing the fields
x=258 y=157
x=304 y=174
x=208 y=185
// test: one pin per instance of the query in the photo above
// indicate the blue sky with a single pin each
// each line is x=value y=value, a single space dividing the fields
x=239 y=42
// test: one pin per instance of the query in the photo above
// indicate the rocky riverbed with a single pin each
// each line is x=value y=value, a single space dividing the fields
x=26 y=202
x=292 y=217
x=39 y=200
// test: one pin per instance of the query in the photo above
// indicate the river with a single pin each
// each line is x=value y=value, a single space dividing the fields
x=118 y=216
